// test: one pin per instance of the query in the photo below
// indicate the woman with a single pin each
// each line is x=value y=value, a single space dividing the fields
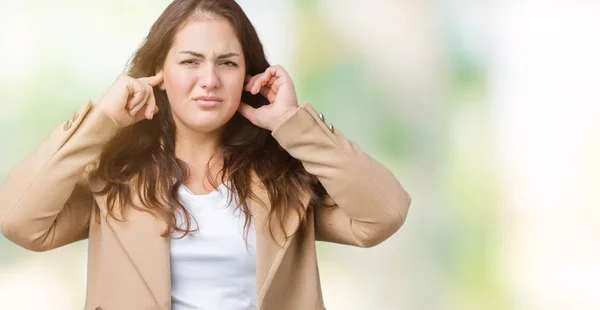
x=198 y=179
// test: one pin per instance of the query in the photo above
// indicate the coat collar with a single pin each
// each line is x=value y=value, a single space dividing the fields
x=140 y=238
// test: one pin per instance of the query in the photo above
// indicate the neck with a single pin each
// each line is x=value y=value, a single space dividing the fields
x=196 y=149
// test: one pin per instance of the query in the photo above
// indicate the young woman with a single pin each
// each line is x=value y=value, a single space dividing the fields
x=198 y=179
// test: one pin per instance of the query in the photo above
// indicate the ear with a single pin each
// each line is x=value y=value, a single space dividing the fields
x=161 y=86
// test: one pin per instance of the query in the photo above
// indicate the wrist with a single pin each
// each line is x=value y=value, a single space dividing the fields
x=108 y=113
x=285 y=116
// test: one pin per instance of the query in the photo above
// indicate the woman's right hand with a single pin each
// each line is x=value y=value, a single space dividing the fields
x=130 y=100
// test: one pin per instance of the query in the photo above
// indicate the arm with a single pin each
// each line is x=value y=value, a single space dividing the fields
x=370 y=203
x=45 y=202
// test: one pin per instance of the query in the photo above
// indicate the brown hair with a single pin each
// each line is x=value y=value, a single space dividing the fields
x=143 y=155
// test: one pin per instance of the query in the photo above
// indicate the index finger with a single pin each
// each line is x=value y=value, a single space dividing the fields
x=250 y=80
x=153 y=80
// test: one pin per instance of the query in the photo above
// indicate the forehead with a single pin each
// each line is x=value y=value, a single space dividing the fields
x=207 y=34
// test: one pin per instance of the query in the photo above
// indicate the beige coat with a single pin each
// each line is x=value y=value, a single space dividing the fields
x=46 y=203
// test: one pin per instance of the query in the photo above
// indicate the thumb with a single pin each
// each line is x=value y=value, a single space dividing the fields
x=248 y=112
x=136 y=94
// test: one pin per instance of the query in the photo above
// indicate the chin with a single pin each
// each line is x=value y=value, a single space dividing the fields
x=207 y=123
x=205 y=127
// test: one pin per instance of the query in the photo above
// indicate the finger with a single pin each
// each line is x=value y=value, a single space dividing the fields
x=252 y=80
x=280 y=81
x=149 y=94
x=148 y=91
x=247 y=79
x=268 y=93
x=138 y=117
x=270 y=83
x=153 y=80
x=137 y=91
x=278 y=71
x=135 y=110
x=253 y=84
x=248 y=112
x=260 y=82
x=151 y=108
x=265 y=81
x=265 y=88
x=272 y=76
x=275 y=70
x=248 y=82
x=138 y=94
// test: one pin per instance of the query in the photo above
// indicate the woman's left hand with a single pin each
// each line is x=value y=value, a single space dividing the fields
x=276 y=85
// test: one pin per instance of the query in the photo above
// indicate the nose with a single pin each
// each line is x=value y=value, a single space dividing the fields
x=208 y=79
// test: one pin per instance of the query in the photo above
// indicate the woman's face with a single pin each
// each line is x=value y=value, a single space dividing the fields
x=204 y=74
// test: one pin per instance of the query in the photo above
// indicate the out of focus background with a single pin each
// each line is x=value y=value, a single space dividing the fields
x=487 y=111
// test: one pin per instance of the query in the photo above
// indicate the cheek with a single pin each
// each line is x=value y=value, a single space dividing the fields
x=235 y=86
x=179 y=81
x=178 y=86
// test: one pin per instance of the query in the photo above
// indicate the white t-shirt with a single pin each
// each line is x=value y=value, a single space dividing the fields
x=212 y=268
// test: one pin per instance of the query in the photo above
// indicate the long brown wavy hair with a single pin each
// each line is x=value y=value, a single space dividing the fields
x=143 y=155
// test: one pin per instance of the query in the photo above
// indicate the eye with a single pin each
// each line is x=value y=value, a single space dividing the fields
x=229 y=63
x=189 y=61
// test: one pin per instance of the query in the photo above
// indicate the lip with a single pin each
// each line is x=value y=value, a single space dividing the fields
x=207 y=101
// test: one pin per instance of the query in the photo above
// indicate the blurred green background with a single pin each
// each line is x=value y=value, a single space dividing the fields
x=486 y=111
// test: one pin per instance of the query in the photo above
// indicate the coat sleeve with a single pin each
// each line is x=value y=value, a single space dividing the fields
x=45 y=202
x=369 y=203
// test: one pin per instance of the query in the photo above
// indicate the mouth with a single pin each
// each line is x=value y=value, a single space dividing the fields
x=207 y=102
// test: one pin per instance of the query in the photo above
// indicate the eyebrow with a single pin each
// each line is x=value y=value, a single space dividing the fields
x=195 y=54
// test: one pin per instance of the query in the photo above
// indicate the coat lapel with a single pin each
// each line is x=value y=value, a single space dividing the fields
x=270 y=250
x=140 y=238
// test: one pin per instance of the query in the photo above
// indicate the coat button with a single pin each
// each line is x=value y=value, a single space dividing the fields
x=67 y=125
x=331 y=128
x=322 y=117
x=74 y=117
